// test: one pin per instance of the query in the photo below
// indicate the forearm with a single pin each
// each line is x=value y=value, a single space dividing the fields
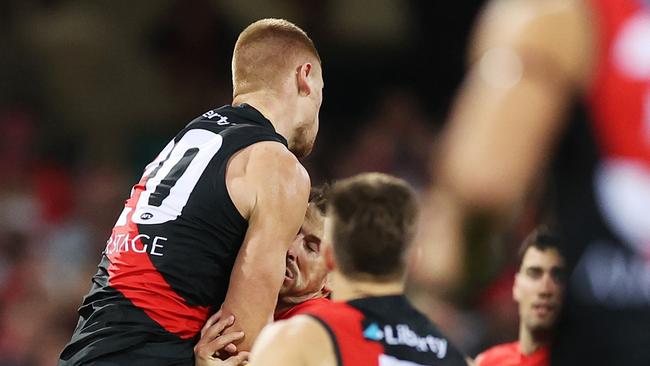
x=252 y=297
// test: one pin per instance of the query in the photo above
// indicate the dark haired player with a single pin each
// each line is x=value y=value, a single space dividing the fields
x=368 y=230
x=539 y=291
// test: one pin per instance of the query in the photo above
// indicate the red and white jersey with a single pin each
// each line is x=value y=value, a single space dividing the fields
x=602 y=185
x=619 y=105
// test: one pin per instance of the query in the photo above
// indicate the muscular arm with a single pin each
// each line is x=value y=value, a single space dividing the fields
x=299 y=341
x=529 y=57
x=281 y=189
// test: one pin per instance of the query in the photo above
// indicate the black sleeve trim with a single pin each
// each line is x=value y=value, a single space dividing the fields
x=335 y=344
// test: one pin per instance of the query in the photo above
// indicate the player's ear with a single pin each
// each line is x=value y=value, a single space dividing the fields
x=330 y=263
x=516 y=295
x=303 y=75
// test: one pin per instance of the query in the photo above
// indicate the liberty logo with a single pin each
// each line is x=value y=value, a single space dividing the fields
x=373 y=332
x=403 y=335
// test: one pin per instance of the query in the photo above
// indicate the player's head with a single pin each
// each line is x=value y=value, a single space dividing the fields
x=539 y=283
x=306 y=273
x=276 y=56
x=371 y=221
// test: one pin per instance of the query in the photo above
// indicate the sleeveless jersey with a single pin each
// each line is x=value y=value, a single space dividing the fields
x=602 y=180
x=167 y=264
x=384 y=331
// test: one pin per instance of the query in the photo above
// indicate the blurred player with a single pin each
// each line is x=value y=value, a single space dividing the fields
x=213 y=216
x=369 y=227
x=531 y=60
x=539 y=290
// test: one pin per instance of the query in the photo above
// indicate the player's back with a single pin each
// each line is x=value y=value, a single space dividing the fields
x=167 y=264
x=385 y=330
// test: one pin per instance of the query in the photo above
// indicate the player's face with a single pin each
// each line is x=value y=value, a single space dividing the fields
x=306 y=271
x=307 y=129
x=539 y=288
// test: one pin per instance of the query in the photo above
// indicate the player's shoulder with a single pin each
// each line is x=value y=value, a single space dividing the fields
x=299 y=325
x=263 y=149
x=297 y=338
x=274 y=161
x=498 y=355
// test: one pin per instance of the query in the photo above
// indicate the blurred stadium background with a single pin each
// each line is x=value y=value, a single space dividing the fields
x=90 y=91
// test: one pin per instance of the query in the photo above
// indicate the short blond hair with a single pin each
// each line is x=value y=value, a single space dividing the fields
x=266 y=50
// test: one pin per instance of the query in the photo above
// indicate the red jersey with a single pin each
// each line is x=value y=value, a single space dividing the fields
x=303 y=307
x=619 y=96
x=509 y=354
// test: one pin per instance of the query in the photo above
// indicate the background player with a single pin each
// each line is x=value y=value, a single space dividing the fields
x=530 y=61
x=371 y=222
x=539 y=290
x=215 y=211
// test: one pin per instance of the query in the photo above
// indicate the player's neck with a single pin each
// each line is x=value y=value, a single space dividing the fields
x=529 y=341
x=344 y=289
x=273 y=106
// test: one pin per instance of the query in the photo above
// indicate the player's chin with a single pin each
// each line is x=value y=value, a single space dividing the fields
x=544 y=324
x=301 y=150
x=287 y=286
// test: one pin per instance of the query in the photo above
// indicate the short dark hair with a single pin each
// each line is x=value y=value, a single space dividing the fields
x=542 y=238
x=374 y=220
x=318 y=197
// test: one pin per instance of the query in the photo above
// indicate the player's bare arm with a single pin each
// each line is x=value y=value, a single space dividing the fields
x=525 y=65
x=270 y=188
x=299 y=341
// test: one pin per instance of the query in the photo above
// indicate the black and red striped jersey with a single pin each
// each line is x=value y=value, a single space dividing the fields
x=167 y=263
x=602 y=184
x=384 y=331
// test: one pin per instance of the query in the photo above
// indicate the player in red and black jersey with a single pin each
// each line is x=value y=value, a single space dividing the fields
x=370 y=224
x=531 y=60
x=211 y=219
x=305 y=285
